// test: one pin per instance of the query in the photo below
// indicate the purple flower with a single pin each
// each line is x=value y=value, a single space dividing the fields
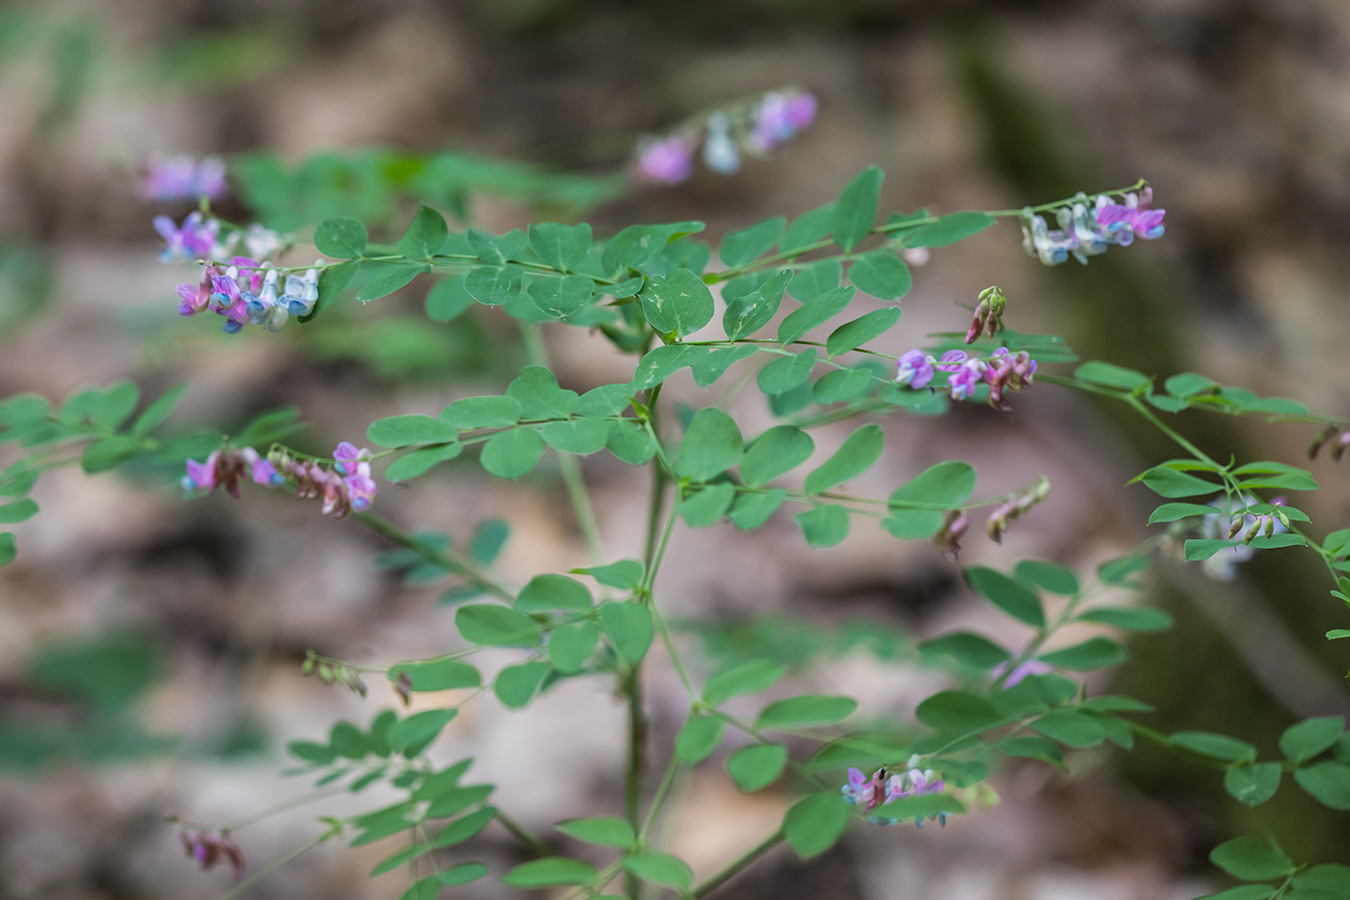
x=1052 y=247
x=1134 y=218
x=963 y=381
x=951 y=360
x=350 y=463
x=195 y=298
x=302 y=292
x=194 y=239
x=223 y=468
x=183 y=177
x=876 y=792
x=862 y=790
x=668 y=160
x=779 y=116
x=1017 y=675
x=916 y=369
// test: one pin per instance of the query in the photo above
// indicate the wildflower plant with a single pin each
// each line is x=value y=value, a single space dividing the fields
x=785 y=301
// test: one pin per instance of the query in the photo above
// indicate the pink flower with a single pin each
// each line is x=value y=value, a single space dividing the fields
x=666 y=160
x=195 y=298
x=1134 y=218
x=963 y=381
x=780 y=115
x=194 y=239
x=183 y=177
x=916 y=369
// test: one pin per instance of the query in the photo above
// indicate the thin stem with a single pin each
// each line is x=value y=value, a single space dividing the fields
x=278 y=863
x=740 y=865
x=460 y=567
x=659 y=800
x=637 y=752
x=518 y=831
x=310 y=797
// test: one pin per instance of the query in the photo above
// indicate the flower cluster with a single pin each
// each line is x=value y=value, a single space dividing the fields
x=1222 y=566
x=209 y=849
x=1087 y=227
x=200 y=238
x=988 y=314
x=1337 y=436
x=347 y=487
x=873 y=793
x=183 y=177
x=1014 y=507
x=1002 y=371
x=756 y=128
x=247 y=292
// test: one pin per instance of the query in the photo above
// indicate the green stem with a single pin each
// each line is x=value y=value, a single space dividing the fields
x=740 y=865
x=278 y=863
x=312 y=796
x=637 y=750
x=460 y=567
x=532 y=842
x=659 y=800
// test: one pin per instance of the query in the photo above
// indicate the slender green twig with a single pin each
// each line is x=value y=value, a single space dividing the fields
x=739 y=866
x=278 y=863
x=309 y=797
x=518 y=831
x=460 y=567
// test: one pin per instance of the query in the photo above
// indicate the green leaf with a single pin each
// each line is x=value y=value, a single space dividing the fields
x=637 y=245
x=1007 y=594
x=662 y=362
x=1331 y=878
x=946 y=485
x=561 y=296
x=341 y=238
x=679 y=304
x=426 y=235
x=1032 y=748
x=1129 y=618
x=949 y=229
x=852 y=335
x=607 y=831
x=1216 y=746
x=756 y=767
x=808 y=228
x=8 y=549
x=1168 y=482
x=815 y=278
x=411 y=735
x=857 y=208
x=460 y=874
x=401 y=431
x=856 y=455
x=420 y=461
x=560 y=247
x=824 y=526
x=1110 y=375
x=18 y=511
x=487 y=540
x=913 y=524
x=1094 y=653
x=109 y=453
x=1188 y=384
x=1277 y=476
x=814 y=312
x=494 y=285
x=711 y=367
x=158 y=411
x=515 y=686
x=332 y=281
x=387 y=279
x=1326 y=782
x=1250 y=860
x=624 y=574
x=751 y=510
x=778 y=450
x=437 y=674
x=116 y=405
x=422 y=889
x=400 y=858
x=746 y=678
x=787 y=372
x=1252 y=785
x=550 y=592
x=971 y=649
x=807 y=710
x=842 y=385
x=1304 y=740
x=511 y=454
x=605 y=400
x=711 y=444
x=1047 y=576
x=492 y=625
x=750 y=312
x=957 y=711
x=661 y=868
x=1171 y=512
x=536 y=390
x=1070 y=727
x=816 y=823
x=629 y=626
x=707 y=506
x=571 y=645
x=579 y=436
x=698 y=739
x=881 y=274
x=740 y=247
x=549 y=871
x=630 y=442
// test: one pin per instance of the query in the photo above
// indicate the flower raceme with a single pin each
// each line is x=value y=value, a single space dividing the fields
x=876 y=791
x=183 y=178
x=1087 y=227
x=345 y=488
x=1002 y=371
x=756 y=128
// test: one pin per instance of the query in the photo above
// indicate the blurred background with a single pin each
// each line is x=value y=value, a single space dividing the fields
x=150 y=648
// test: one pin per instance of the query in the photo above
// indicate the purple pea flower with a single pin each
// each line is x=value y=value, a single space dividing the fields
x=1022 y=672
x=666 y=160
x=916 y=369
x=194 y=239
x=1134 y=218
x=780 y=115
x=195 y=298
x=951 y=360
x=183 y=177
x=963 y=381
